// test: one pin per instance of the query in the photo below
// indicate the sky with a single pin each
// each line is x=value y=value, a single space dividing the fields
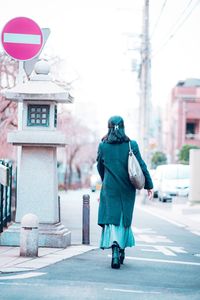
x=98 y=40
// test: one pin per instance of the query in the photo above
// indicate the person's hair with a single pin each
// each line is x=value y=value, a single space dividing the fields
x=116 y=133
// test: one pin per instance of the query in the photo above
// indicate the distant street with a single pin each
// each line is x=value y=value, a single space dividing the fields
x=165 y=264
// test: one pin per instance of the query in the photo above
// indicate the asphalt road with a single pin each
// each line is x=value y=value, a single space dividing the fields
x=165 y=264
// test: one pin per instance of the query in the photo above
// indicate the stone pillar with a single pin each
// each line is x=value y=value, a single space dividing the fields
x=194 y=194
x=39 y=137
x=37 y=189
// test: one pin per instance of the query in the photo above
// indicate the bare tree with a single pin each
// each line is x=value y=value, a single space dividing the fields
x=81 y=149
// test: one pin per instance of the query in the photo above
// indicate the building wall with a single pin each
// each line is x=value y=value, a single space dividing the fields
x=183 y=124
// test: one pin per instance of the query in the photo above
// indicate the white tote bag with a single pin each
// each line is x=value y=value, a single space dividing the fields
x=134 y=170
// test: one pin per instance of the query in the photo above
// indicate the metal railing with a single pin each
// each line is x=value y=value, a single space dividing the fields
x=5 y=193
x=192 y=136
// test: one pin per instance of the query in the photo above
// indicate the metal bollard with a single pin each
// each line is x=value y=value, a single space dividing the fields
x=29 y=236
x=86 y=220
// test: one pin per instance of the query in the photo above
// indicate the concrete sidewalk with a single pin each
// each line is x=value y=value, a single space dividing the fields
x=10 y=261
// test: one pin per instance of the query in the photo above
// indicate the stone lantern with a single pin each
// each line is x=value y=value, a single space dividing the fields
x=37 y=186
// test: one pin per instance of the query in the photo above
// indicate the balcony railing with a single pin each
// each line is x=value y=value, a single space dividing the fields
x=192 y=136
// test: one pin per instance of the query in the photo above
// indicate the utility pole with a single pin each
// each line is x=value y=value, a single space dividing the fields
x=145 y=87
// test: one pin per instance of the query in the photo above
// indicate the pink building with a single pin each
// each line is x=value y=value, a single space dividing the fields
x=183 y=121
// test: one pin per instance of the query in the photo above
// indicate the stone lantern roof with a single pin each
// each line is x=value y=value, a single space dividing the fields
x=39 y=87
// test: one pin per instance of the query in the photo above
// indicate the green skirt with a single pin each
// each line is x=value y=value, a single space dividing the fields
x=120 y=234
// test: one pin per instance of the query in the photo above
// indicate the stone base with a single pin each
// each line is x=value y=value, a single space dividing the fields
x=54 y=236
x=50 y=235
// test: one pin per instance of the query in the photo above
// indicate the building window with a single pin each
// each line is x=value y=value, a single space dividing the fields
x=55 y=116
x=38 y=115
x=190 y=128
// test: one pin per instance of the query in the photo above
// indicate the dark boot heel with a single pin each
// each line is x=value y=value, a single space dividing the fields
x=115 y=263
x=121 y=255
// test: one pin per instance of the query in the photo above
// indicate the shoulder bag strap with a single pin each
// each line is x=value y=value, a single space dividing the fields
x=130 y=149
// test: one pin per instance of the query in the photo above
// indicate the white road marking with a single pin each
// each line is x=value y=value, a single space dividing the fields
x=161 y=217
x=145 y=238
x=143 y=230
x=21 y=284
x=22 y=276
x=166 y=250
x=149 y=236
x=20 y=38
x=179 y=262
x=152 y=238
x=130 y=291
x=195 y=232
x=150 y=250
x=177 y=249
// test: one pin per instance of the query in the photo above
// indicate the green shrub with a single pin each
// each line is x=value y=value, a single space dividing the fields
x=158 y=158
x=184 y=153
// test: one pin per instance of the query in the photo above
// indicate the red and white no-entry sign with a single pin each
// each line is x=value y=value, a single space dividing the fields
x=22 y=38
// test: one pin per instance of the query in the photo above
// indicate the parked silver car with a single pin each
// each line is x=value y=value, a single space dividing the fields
x=172 y=180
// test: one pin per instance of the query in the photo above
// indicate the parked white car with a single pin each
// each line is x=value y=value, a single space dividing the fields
x=172 y=180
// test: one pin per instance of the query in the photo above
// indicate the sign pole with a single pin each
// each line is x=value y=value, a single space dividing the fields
x=20 y=79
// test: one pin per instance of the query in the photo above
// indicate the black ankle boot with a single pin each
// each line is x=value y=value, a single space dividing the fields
x=115 y=263
x=122 y=255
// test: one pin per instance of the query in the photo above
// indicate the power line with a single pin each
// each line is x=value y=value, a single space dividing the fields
x=188 y=15
x=158 y=19
x=172 y=34
x=168 y=37
x=180 y=16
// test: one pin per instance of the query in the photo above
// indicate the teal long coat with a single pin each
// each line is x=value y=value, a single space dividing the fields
x=117 y=193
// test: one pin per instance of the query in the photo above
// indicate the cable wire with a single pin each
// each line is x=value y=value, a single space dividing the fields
x=158 y=19
x=180 y=16
x=172 y=34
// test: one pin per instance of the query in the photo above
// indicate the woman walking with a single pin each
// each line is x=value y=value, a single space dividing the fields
x=117 y=196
